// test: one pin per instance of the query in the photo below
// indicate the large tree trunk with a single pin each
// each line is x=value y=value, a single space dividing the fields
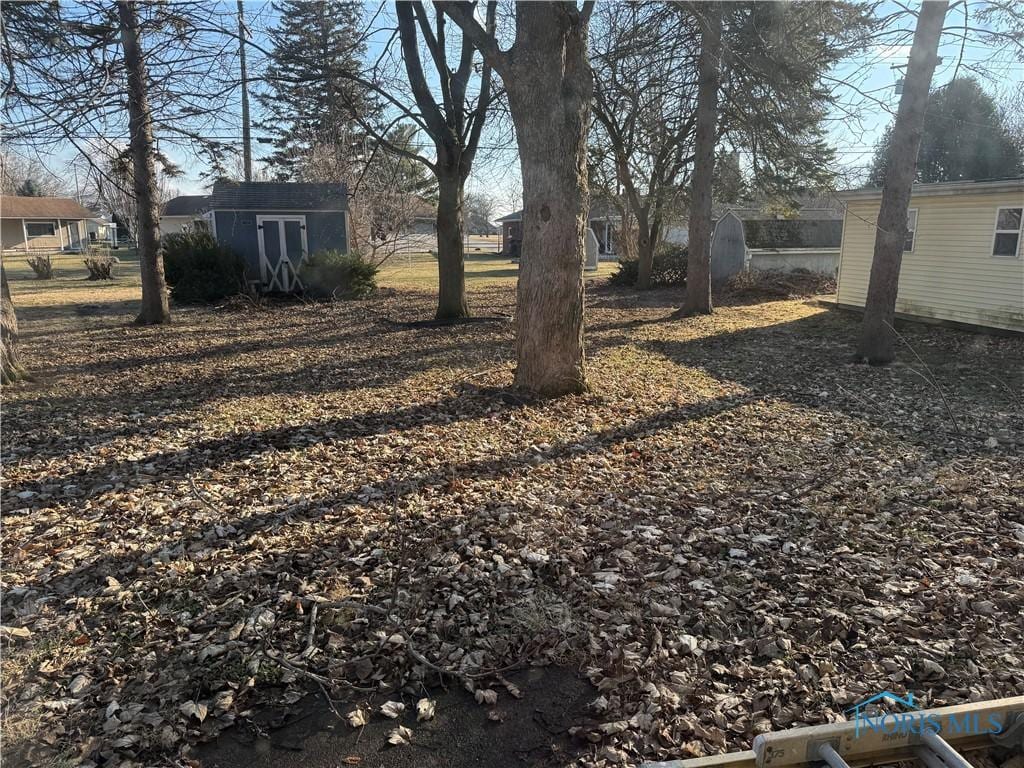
x=644 y=252
x=140 y=129
x=549 y=96
x=698 y=260
x=10 y=367
x=451 y=271
x=877 y=339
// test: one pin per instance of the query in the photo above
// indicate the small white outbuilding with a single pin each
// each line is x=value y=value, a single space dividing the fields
x=962 y=262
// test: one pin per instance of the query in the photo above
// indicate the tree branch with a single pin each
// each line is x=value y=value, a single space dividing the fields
x=461 y=12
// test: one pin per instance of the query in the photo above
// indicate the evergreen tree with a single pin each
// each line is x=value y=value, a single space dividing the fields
x=30 y=188
x=407 y=175
x=313 y=97
x=965 y=137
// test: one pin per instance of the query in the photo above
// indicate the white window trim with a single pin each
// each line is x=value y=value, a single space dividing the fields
x=50 y=222
x=917 y=225
x=1019 y=231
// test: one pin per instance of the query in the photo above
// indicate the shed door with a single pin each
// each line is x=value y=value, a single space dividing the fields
x=283 y=247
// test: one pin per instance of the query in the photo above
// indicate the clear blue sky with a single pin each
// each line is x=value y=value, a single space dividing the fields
x=866 y=92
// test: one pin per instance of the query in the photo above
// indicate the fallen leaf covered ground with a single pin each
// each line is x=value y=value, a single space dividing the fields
x=736 y=530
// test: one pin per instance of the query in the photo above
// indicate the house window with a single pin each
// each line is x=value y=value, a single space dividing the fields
x=1008 y=230
x=40 y=229
x=908 y=244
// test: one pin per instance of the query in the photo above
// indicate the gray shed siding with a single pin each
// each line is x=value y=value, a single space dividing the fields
x=325 y=230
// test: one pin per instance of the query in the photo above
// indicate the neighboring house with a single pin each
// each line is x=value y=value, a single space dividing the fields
x=101 y=229
x=42 y=224
x=962 y=260
x=603 y=220
x=422 y=218
x=807 y=237
x=275 y=225
x=812 y=223
x=182 y=212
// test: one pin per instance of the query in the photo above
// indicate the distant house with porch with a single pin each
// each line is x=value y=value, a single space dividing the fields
x=43 y=224
x=602 y=217
x=275 y=225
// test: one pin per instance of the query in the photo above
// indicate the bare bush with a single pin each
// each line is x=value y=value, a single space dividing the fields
x=101 y=264
x=42 y=266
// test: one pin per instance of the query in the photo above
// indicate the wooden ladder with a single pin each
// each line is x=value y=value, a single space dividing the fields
x=935 y=737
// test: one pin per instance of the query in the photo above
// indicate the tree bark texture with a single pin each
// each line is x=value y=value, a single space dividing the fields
x=698 y=260
x=451 y=271
x=155 y=307
x=549 y=95
x=10 y=367
x=644 y=252
x=877 y=339
x=550 y=85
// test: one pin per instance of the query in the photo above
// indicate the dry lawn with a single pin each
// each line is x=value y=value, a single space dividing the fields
x=736 y=530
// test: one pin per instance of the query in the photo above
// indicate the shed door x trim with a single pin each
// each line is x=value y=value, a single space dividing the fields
x=278 y=267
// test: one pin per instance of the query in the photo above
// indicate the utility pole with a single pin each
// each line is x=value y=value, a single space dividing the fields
x=246 y=136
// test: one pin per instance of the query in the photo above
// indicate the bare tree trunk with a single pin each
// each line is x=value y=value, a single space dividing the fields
x=644 y=252
x=451 y=272
x=140 y=128
x=10 y=368
x=550 y=103
x=698 y=260
x=877 y=340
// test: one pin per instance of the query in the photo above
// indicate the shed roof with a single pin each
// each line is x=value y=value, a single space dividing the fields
x=278 y=196
x=982 y=186
x=16 y=207
x=599 y=209
x=186 y=205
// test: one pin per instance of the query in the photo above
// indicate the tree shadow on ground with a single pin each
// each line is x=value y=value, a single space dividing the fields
x=945 y=381
x=207 y=454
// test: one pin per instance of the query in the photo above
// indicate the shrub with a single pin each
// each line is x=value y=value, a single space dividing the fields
x=199 y=269
x=42 y=266
x=333 y=274
x=100 y=268
x=669 y=268
x=773 y=284
x=100 y=263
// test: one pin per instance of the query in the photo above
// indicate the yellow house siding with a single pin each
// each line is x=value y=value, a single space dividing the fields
x=951 y=274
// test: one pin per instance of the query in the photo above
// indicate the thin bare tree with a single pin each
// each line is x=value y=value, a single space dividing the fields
x=454 y=123
x=155 y=307
x=95 y=75
x=877 y=339
x=698 y=260
x=642 y=142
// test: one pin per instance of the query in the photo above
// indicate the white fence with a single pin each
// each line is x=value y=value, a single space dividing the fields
x=425 y=243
